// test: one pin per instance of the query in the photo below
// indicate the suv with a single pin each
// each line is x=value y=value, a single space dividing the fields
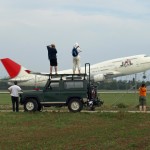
x=71 y=90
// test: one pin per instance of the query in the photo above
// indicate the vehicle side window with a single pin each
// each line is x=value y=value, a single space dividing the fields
x=73 y=85
x=55 y=85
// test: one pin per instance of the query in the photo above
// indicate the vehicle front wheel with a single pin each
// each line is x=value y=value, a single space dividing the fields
x=75 y=105
x=31 y=105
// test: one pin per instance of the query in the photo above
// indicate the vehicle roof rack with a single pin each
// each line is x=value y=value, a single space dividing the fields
x=71 y=76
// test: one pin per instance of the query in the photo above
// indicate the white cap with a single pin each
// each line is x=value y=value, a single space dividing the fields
x=76 y=45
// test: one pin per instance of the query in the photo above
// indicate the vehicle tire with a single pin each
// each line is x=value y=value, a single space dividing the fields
x=31 y=105
x=75 y=105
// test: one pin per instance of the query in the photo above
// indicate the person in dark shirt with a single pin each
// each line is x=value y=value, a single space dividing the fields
x=52 y=57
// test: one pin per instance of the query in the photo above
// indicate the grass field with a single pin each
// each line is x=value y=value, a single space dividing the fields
x=74 y=131
x=111 y=100
x=5 y=99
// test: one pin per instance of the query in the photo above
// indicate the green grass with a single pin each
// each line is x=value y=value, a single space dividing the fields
x=74 y=131
x=130 y=100
x=111 y=100
x=5 y=99
x=115 y=98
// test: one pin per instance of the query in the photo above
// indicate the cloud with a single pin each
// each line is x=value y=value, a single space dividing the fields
x=100 y=26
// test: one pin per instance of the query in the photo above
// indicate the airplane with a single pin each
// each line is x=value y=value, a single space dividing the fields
x=98 y=72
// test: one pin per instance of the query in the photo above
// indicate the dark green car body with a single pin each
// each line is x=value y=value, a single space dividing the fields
x=72 y=92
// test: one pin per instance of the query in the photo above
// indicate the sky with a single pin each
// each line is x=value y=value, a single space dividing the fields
x=104 y=29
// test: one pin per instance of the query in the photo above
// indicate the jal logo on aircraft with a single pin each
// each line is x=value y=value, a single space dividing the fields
x=126 y=63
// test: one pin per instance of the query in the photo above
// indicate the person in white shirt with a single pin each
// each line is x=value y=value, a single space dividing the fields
x=76 y=58
x=14 y=90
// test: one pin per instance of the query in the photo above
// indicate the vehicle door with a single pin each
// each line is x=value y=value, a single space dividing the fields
x=52 y=92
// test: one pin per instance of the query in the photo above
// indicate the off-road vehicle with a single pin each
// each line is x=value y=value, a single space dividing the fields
x=72 y=90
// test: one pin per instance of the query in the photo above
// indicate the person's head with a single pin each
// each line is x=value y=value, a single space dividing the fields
x=76 y=45
x=15 y=82
x=53 y=45
x=143 y=85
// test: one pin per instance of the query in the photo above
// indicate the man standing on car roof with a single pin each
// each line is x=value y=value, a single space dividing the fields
x=52 y=57
x=76 y=58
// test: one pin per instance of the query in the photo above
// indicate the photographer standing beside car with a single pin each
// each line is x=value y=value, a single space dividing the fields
x=14 y=92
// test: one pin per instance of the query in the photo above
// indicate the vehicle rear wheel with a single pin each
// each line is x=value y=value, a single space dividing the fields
x=75 y=105
x=31 y=105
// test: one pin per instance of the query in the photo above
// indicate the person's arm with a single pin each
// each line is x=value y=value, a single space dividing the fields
x=145 y=89
x=20 y=89
x=79 y=50
x=49 y=52
x=9 y=89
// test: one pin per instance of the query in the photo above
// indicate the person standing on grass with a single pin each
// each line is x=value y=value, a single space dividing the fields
x=142 y=97
x=14 y=90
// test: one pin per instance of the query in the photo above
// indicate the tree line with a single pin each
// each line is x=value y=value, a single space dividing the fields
x=121 y=85
x=113 y=85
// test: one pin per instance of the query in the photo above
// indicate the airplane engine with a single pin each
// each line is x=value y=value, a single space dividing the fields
x=99 y=77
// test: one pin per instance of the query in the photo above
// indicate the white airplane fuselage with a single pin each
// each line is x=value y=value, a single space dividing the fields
x=99 y=72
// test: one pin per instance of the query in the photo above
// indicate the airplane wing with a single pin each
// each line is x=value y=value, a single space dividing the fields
x=60 y=75
x=39 y=73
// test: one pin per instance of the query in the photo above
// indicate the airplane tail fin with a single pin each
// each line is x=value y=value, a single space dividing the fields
x=14 y=69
